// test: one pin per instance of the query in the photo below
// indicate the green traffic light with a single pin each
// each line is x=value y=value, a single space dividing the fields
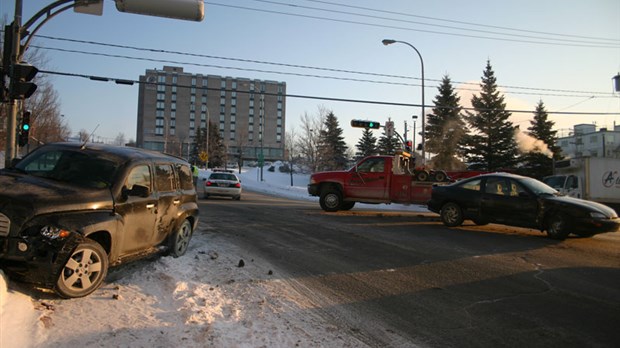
x=26 y=127
x=371 y=125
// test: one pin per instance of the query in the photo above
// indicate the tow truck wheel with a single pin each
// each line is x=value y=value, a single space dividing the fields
x=84 y=271
x=440 y=176
x=421 y=175
x=330 y=200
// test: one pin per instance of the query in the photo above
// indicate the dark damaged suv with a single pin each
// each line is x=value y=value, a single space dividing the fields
x=70 y=210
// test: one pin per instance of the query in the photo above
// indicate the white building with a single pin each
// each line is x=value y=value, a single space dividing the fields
x=585 y=140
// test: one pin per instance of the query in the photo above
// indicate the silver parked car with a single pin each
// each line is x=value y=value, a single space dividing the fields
x=222 y=184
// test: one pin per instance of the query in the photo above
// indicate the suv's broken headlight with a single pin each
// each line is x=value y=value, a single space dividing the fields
x=53 y=232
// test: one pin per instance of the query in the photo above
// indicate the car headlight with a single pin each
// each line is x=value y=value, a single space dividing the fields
x=597 y=215
x=53 y=232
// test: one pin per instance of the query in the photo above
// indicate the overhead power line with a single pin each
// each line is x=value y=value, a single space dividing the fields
x=297 y=66
x=462 y=22
x=574 y=40
x=593 y=45
x=289 y=95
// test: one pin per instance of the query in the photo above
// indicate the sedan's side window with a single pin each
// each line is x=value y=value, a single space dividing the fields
x=516 y=189
x=473 y=185
x=140 y=175
x=496 y=186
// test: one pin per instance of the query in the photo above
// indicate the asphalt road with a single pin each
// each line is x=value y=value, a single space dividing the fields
x=403 y=279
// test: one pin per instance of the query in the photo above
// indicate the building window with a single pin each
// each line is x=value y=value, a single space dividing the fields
x=193 y=81
x=161 y=88
x=222 y=109
x=233 y=110
x=222 y=101
x=234 y=85
x=159 y=130
x=251 y=103
x=203 y=124
x=173 y=114
x=192 y=90
x=232 y=135
x=161 y=79
x=278 y=138
x=203 y=107
x=173 y=106
x=161 y=96
x=223 y=84
x=192 y=107
x=192 y=124
x=251 y=120
x=233 y=118
x=159 y=113
x=174 y=79
x=192 y=116
x=192 y=99
x=173 y=97
x=251 y=112
x=173 y=123
x=251 y=136
x=159 y=122
x=172 y=131
x=160 y=105
x=174 y=89
x=222 y=118
x=221 y=126
x=203 y=116
x=232 y=127
x=233 y=102
x=203 y=99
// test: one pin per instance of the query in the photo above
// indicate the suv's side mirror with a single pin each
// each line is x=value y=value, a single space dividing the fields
x=139 y=191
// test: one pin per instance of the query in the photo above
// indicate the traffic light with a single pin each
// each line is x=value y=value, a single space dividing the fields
x=21 y=74
x=24 y=129
x=365 y=124
x=408 y=145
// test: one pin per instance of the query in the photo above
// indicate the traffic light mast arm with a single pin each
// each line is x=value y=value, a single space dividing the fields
x=47 y=10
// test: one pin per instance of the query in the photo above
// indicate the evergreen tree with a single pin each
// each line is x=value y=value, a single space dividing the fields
x=217 y=148
x=367 y=145
x=492 y=142
x=539 y=160
x=445 y=128
x=332 y=147
x=388 y=145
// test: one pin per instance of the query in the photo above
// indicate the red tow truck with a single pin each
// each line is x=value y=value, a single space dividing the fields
x=375 y=179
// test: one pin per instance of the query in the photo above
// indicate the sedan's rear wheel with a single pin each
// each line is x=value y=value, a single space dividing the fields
x=451 y=215
x=84 y=271
x=557 y=227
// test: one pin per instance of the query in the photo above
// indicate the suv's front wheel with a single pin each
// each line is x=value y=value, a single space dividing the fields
x=84 y=271
x=179 y=240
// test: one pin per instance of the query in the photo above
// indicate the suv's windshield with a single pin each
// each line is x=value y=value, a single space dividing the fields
x=70 y=166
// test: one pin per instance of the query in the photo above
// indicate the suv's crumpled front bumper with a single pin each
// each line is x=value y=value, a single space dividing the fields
x=36 y=259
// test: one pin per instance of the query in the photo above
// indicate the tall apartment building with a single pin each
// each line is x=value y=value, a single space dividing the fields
x=173 y=105
x=585 y=140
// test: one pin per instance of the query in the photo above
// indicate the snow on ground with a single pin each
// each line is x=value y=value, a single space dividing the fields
x=203 y=299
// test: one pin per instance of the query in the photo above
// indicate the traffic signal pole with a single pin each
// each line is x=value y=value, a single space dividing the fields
x=11 y=125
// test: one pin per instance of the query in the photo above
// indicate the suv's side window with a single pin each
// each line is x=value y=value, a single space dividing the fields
x=140 y=175
x=185 y=177
x=164 y=178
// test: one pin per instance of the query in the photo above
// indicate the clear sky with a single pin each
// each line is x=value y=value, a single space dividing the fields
x=564 y=52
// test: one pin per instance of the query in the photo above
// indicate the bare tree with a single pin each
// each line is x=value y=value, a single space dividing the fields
x=308 y=140
x=120 y=139
x=84 y=135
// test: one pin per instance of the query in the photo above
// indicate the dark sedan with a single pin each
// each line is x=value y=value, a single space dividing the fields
x=515 y=200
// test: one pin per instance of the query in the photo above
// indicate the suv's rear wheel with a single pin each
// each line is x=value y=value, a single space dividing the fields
x=179 y=240
x=84 y=271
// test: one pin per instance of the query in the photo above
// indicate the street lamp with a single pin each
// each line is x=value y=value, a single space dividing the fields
x=389 y=42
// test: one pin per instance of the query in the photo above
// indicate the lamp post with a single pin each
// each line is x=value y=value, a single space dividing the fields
x=389 y=42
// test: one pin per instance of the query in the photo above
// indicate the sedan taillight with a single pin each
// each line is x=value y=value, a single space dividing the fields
x=238 y=185
x=208 y=183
